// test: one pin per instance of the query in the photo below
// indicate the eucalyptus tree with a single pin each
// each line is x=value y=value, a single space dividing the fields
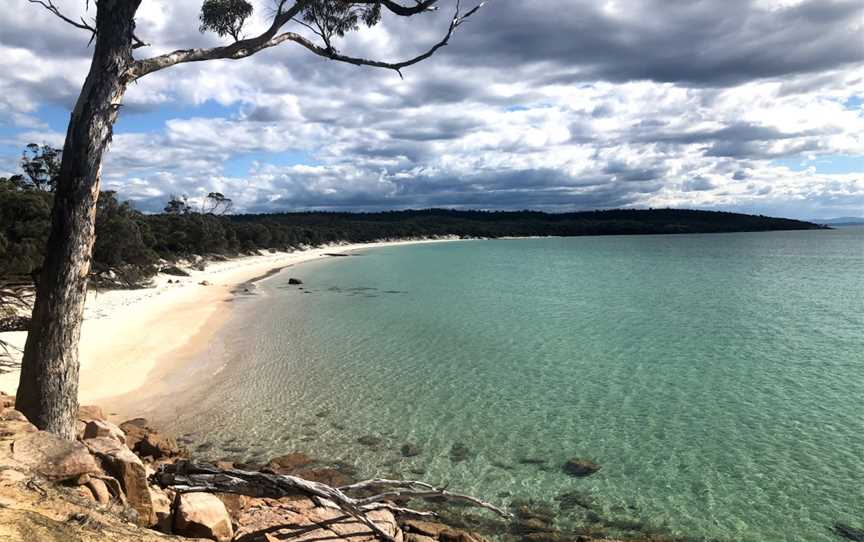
x=48 y=389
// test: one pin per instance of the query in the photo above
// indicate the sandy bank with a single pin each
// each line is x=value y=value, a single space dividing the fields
x=132 y=336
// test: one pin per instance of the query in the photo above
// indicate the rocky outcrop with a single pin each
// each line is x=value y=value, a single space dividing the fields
x=147 y=442
x=302 y=520
x=202 y=515
x=101 y=428
x=52 y=457
x=119 y=461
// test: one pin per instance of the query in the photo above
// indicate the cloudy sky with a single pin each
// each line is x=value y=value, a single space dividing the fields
x=746 y=105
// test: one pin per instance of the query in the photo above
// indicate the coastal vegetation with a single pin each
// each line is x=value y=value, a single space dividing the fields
x=131 y=246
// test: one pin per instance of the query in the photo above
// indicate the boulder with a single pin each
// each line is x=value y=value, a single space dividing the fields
x=174 y=271
x=99 y=490
x=88 y=413
x=580 y=467
x=288 y=463
x=12 y=415
x=295 y=281
x=148 y=443
x=202 y=515
x=53 y=457
x=162 y=509
x=127 y=468
x=157 y=446
x=300 y=519
x=100 y=428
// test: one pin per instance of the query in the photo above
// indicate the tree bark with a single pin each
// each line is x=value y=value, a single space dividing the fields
x=48 y=388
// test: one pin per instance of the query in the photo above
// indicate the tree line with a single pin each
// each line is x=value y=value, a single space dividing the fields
x=132 y=245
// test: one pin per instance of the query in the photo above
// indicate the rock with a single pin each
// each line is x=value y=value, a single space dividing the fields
x=202 y=515
x=369 y=440
x=288 y=463
x=849 y=533
x=88 y=413
x=99 y=490
x=174 y=271
x=99 y=428
x=410 y=450
x=414 y=537
x=459 y=452
x=85 y=493
x=162 y=509
x=580 y=467
x=127 y=468
x=422 y=530
x=331 y=477
x=204 y=283
x=295 y=281
x=427 y=528
x=53 y=457
x=235 y=504
x=6 y=401
x=9 y=477
x=157 y=446
x=12 y=415
x=299 y=519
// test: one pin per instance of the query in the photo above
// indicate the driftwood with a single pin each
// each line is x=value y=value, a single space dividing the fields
x=185 y=477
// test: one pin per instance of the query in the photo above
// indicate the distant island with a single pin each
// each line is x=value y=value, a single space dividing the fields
x=132 y=246
x=840 y=221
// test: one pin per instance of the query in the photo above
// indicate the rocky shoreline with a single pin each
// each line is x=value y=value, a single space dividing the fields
x=105 y=486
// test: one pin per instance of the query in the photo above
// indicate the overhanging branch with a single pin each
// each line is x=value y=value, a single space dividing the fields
x=270 y=38
x=49 y=5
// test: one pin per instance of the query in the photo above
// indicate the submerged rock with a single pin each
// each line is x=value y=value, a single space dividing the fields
x=288 y=463
x=459 y=452
x=369 y=440
x=849 y=533
x=580 y=468
x=410 y=450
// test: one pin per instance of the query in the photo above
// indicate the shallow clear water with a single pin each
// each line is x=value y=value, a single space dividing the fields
x=718 y=379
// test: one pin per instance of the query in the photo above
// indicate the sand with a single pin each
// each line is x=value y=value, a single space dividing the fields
x=131 y=337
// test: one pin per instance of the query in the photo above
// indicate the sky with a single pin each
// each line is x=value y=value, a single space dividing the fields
x=754 y=106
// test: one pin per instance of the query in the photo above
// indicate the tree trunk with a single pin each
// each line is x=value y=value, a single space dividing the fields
x=48 y=389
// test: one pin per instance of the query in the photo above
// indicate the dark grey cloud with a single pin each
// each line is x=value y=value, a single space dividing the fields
x=693 y=42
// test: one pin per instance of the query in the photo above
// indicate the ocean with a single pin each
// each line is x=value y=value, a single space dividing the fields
x=718 y=380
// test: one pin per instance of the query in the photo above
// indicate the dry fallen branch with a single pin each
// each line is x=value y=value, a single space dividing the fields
x=186 y=477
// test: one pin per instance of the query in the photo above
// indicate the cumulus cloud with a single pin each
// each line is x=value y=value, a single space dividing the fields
x=555 y=105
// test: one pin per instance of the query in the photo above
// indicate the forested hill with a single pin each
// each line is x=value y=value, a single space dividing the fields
x=132 y=244
x=432 y=222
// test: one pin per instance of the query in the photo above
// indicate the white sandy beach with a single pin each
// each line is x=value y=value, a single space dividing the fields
x=129 y=335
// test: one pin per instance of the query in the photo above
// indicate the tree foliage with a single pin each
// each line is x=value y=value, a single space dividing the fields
x=329 y=18
x=224 y=17
x=41 y=167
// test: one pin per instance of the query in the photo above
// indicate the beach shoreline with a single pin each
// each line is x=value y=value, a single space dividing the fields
x=132 y=338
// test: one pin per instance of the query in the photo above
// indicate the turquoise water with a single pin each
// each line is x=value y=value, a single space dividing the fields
x=718 y=380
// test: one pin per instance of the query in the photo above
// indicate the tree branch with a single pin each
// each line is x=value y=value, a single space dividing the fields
x=268 y=39
x=185 y=477
x=49 y=5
